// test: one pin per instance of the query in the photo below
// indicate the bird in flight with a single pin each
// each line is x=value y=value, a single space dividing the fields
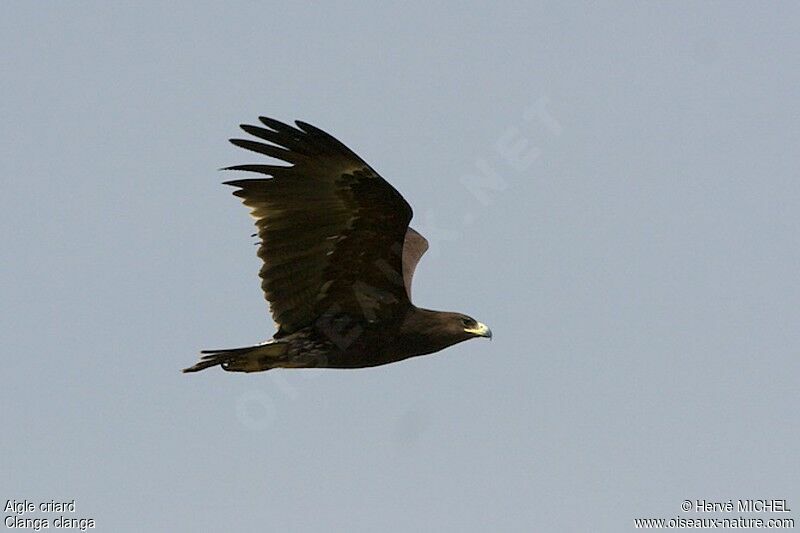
x=339 y=257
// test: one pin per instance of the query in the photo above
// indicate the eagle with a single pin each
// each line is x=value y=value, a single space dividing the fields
x=338 y=260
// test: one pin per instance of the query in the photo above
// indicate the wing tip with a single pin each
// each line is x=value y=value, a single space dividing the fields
x=236 y=183
x=276 y=125
x=269 y=170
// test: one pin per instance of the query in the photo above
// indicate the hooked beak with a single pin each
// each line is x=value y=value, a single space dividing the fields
x=481 y=330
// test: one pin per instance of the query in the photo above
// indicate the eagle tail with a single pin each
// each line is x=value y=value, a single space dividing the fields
x=247 y=359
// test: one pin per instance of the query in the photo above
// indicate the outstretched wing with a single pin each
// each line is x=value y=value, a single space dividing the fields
x=414 y=246
x=331 y=229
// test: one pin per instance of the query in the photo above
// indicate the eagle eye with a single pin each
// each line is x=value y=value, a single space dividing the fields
x=467 y=322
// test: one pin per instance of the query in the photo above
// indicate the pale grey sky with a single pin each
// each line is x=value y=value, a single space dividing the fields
x=636 y=257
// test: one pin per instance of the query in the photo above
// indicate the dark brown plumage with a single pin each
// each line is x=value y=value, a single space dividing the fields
x=339 y=258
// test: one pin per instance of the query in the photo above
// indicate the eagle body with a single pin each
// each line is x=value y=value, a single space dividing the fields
x=338 y=260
